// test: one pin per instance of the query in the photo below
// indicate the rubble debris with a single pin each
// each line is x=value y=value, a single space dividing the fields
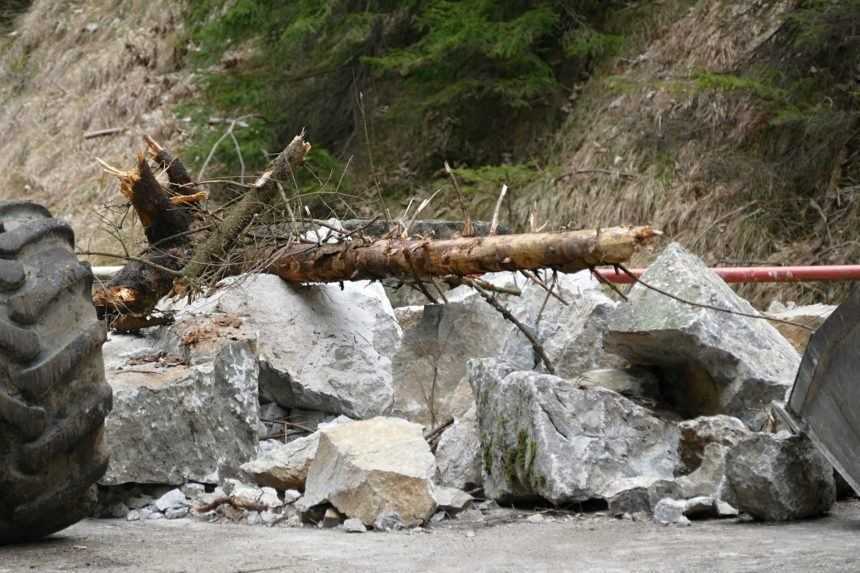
x=670 y=511
x=779 y=477
x=811 y=316
x=180 y=424
x=543 y=437
x=322 y=348
x=639 y=495
x=369 y=468
x=571 y=332
x=702 y=449
x=458 y=454
x=171 y=500
x=450 y=499
x=353 y=525
x=438 y=339
x=388 y=521
x=285 y=466
x=711 y=362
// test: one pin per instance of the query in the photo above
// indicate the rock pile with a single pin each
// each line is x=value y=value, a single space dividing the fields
x=276 y=405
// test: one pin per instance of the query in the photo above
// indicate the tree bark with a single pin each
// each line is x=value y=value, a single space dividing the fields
x=423 y=259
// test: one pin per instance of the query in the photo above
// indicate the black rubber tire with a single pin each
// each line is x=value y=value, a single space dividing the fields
x=53 y=394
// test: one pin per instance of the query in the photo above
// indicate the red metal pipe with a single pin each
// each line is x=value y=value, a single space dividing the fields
x=759 y=274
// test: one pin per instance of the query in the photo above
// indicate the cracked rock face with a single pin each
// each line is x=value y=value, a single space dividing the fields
x=322 y=347
x=172 y=425
x=458 y=453
x=438 y=339
x=371 y=468
x=703 y=446
x=571 y=334
x=778 y=477
x=545 y=437
x=713 y=362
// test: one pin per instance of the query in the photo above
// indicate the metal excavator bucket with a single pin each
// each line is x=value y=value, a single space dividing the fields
x=824 y=403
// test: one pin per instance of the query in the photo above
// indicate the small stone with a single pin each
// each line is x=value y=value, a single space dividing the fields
x=470 y=534
x=291 y=496
x=670 y=511
x=253 y=518
x=176 y=513
x=133 y=515
x=536 y=518
x=388 y=521
x=451 y=499
x=353 y=525
x=172 y=499
x=271 y=518
x=193 y=490
x=725 y=509
x=150 y=512
x=270 y=498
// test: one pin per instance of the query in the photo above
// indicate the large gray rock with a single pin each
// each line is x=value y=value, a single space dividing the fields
x=778 y=477
x=702 y=448
x=172 y=424
x=323 y=347
x=438 y=339
x=713 y=362
x=545 y=437
x=373 y=467
x=458 y=453
x=572 y=334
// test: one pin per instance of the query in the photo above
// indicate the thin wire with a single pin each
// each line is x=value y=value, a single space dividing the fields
x=637 y=280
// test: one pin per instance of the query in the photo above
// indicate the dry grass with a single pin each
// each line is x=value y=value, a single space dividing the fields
x=74 y=67
x=648 y=147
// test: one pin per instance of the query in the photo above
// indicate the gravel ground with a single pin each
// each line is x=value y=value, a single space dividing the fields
x=516 y=544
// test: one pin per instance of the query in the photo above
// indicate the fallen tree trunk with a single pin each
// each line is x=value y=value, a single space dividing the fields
x=241 y=242
x=423 y=259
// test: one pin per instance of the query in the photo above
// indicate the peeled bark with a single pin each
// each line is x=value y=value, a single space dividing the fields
x=422 y=259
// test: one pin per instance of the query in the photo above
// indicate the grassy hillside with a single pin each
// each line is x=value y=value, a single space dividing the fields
x=731 y=125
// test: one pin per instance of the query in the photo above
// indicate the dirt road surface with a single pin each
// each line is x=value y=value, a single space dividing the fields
x=556 y=544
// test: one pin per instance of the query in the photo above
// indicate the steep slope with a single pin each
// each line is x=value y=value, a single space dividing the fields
x=732 y=132
x=68 y=68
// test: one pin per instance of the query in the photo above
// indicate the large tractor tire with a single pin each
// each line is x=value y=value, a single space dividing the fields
x=53 y=394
